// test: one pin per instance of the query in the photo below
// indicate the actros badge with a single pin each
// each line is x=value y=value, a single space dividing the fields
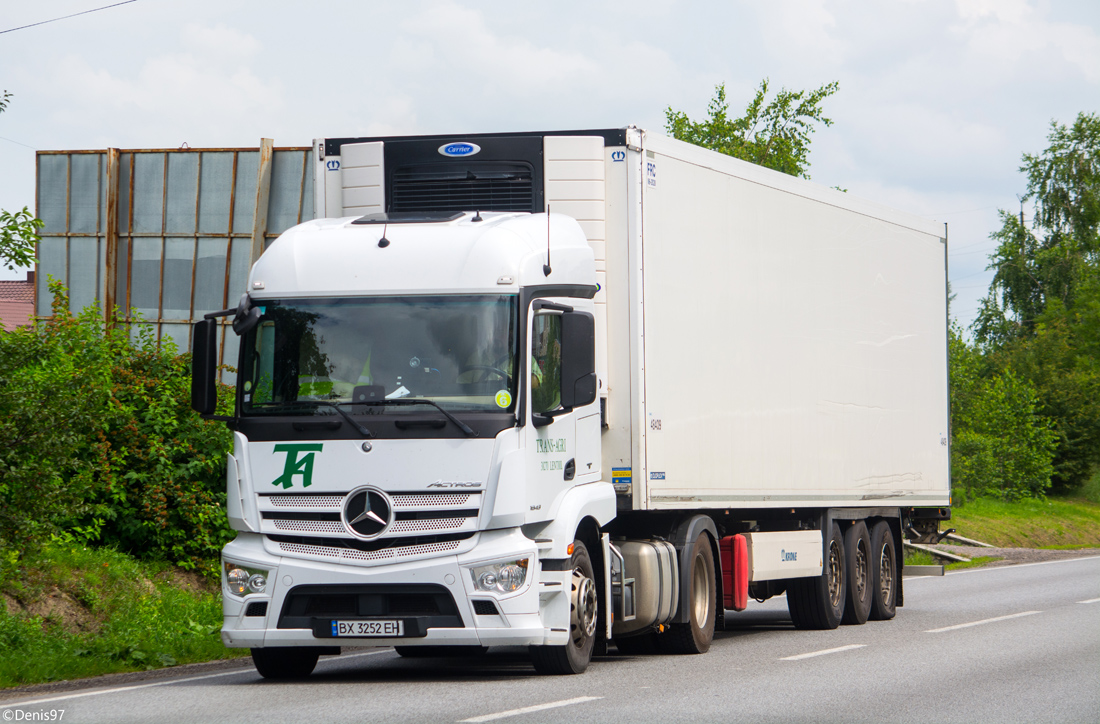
x=367 y=513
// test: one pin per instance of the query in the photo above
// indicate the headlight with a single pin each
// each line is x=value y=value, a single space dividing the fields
x=242 y=580
x=501 y=577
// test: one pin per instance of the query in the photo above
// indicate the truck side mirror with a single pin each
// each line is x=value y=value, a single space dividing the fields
x=578 y=359
x=204 y=383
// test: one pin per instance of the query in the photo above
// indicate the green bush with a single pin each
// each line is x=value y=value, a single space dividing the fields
x=55 y=383
x=1002 y=446
x=97 y=438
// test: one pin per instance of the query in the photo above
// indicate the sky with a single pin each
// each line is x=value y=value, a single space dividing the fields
x=938 y=99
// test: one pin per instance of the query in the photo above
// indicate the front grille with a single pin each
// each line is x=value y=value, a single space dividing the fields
x=445 y=187
x=311 y=523
x=292 y=545
x=309 y=526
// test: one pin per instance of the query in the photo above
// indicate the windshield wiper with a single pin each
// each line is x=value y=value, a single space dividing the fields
x=334 y=405
x=469 y=431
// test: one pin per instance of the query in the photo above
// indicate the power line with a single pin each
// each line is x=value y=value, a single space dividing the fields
x=64 y=17
x=18 y=143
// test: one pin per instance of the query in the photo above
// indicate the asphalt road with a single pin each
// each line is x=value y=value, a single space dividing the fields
x=1011 y=644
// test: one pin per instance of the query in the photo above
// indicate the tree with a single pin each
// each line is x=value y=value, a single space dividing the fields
x=1041 y=318
x=775 y=134
x=18 y=235
x=18 y=231
x=1037 y=266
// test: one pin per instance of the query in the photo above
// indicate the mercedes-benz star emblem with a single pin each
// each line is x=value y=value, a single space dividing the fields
x=367 y=513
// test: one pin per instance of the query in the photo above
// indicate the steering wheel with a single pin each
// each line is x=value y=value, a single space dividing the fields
x=488 y=369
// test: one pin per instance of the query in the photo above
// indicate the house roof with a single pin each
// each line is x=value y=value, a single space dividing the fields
x=16 y=291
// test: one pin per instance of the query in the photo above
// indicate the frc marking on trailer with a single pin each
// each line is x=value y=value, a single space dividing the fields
x=295 y=466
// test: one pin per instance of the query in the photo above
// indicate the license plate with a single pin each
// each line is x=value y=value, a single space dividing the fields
x=368 y=628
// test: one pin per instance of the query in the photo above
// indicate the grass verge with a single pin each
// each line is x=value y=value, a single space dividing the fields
x=1051 y=523
x=80 y=612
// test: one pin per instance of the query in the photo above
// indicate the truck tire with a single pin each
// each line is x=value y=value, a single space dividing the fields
x=857 y=563
x=574 y=656
x=884 y=573
x=818 y=602
x=287 y=662
x=695 y=635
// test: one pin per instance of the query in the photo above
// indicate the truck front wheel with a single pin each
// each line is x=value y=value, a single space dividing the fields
x=285 y=662
x=573 y=657
x=696 y=635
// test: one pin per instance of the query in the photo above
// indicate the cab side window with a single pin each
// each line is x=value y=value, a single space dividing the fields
x=545 y=363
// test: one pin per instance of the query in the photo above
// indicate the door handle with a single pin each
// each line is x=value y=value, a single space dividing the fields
x=571 y=469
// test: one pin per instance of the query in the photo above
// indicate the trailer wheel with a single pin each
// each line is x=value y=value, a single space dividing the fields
x=818 y=602
x=286 y=662
x=857 y=563
x=884 y=572
x=695 y=636
x=574 y=656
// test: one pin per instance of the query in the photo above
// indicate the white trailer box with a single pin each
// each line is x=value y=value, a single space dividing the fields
x=792 y=342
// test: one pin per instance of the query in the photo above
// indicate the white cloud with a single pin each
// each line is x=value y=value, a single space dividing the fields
x=469 y=53
x=206 y=84
x=1010 y=34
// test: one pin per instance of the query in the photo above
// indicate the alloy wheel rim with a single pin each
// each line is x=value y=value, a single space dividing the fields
x=836 y=574
x=861 y=571
x=583 y=614
x=885 y=574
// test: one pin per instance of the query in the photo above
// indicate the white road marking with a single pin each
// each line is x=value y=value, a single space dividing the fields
x=837 y=650
x=529 y=709
x=982 y=622
x=166 y=682
x=1091 y=600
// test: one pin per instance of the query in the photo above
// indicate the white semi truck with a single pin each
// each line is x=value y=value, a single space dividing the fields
x=564 y=389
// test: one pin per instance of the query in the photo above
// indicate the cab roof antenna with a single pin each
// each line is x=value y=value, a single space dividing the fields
x=546 y=267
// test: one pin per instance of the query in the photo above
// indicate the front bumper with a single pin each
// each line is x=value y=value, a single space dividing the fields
x=517 y=620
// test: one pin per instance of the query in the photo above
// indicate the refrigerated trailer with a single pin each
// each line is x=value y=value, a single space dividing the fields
x=566 y=389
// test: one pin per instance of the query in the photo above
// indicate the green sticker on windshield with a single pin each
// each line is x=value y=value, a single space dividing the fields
x=503 y=399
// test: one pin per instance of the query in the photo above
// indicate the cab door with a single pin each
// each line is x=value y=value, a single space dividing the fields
x=560 y=387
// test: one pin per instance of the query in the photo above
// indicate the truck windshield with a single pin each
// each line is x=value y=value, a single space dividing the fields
x=379 y=354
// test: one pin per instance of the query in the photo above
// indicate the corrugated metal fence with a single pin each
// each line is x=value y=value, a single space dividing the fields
x=164 y=235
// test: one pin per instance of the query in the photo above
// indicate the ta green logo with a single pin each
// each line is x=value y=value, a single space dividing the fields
x=299 y=461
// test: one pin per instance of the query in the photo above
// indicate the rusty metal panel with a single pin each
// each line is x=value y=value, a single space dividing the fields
x=244 y=202
x=287 y=179
x=215 y=193
x=181 y=193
